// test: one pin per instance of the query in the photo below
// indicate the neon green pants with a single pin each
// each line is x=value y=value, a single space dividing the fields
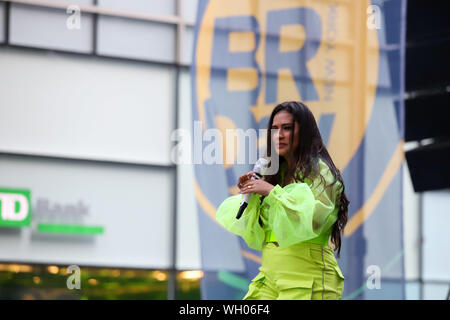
x=302 y=271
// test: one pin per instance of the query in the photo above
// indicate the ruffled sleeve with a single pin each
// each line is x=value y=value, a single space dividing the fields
x=247 y=226
x=302 y=211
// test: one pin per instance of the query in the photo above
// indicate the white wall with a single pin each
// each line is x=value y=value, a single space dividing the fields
x=84 y=107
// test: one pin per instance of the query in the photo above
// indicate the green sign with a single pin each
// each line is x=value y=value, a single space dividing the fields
x=15 y=208
x=69 y=229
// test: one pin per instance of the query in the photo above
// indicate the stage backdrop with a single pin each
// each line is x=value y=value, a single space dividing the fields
x=345 y=60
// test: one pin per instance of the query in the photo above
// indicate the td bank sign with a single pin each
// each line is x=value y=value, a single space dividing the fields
x=15 y=208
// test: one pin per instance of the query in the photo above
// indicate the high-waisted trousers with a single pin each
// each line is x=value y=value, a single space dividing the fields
x=302 y=271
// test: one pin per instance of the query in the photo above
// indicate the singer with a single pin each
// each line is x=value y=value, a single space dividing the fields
x=296 y=216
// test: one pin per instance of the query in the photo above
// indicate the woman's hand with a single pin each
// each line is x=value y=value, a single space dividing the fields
x=256 y=186
x=244 y=178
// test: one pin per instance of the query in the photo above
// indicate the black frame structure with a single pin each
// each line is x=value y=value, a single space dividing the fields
x=427 y=98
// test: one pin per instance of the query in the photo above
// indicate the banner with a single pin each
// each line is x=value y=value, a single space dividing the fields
x=345 y=60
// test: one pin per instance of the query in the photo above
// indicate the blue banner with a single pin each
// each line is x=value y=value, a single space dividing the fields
x=343 y=59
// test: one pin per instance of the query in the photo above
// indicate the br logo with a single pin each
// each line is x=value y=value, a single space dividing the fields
x=15 y=208
x=251 y=55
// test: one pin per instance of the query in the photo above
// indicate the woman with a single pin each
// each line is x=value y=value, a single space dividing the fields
x=293 y=215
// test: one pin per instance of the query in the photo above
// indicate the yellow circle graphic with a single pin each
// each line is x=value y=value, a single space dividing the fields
x=344 y=69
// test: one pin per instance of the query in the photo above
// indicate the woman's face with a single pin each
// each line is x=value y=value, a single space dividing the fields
x=283 y=124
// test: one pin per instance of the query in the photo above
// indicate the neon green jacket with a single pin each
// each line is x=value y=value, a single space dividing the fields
x=298 y=212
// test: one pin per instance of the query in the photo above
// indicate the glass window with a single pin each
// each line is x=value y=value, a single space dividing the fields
x=412 y=290
x=436 y=243
x=52 y=282
x=82 y=2
x=188 y=247
x=50 y=28
x=436 y=291
x=136 y=39
x=157 y=7
x=188 y=44
x=188 y=285
x=92 y=213
x=86 y=107
x=189 y=9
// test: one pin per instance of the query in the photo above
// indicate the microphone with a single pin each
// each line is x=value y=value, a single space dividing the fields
x=258 y=168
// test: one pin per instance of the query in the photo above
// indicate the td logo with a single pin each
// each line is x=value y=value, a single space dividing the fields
x=15 y=208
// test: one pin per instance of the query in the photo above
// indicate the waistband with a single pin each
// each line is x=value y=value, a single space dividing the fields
x=322 y=239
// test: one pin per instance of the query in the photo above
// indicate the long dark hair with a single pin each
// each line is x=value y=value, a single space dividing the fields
x=305 y=160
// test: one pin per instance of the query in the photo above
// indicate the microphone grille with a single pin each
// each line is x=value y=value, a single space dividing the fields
x=260 y=165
